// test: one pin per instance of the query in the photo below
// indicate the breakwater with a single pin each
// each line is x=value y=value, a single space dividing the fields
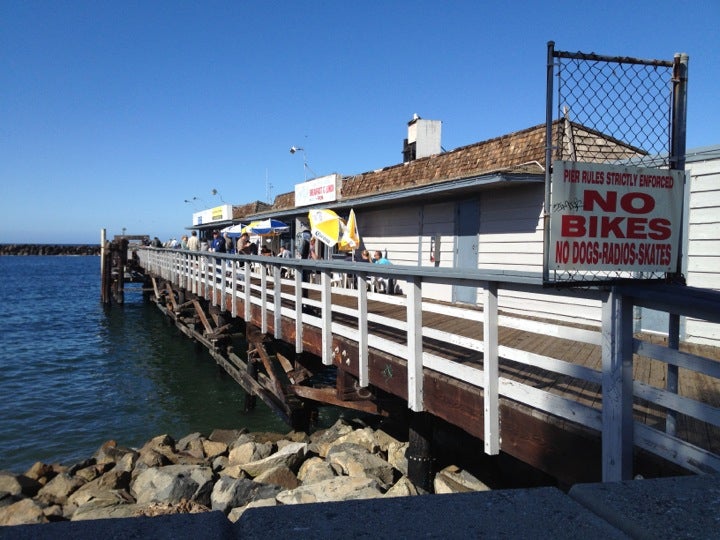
x=229 y=470
x=49 y=249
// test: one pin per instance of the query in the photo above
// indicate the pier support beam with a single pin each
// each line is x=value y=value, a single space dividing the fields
x=419 y=452
x=250 y=398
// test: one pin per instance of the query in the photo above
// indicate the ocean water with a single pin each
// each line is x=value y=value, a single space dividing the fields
x=74 y=374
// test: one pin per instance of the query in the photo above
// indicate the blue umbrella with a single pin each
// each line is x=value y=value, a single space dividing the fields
x=266 y=227
x=233 y=230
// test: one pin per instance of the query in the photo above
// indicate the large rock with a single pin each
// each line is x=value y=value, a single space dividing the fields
x=229 y=493
x=110 y=452
x=454 y=480
x=227 y=436
x=321 y=440
x=163 y=445
x=236 y=513
x=248 y=452
x=315 y=470
x=98 y=503
x=24 y=512
x=127 y=462
x=352 y=459
x=213 y=449
x=364 y=437
x=18 y=484
x=172 y=484
x=103 y=487
x=291 y=456
x=104 y=509
x=402 y=488
x=57 y=490
x=192 y=445
x=280 y=476
x=396 y=456
x=42 y=472
x=340 y=488
x=93 y=471
x=384 y=440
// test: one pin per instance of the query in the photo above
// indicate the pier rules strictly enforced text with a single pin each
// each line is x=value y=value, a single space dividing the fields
x=611 y=217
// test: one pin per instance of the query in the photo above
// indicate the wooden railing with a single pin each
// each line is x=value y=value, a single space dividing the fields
x=255 y=280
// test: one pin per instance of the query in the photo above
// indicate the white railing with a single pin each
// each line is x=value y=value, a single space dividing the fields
x=218 y=277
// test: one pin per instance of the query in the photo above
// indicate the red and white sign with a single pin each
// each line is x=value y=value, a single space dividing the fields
x=319 y=190
x=611 y=217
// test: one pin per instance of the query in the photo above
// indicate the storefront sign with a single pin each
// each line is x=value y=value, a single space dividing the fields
x=218 y=213
x=610 y=217
x=319 y=190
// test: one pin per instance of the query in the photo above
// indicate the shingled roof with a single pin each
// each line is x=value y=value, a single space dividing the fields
x=243 y=211
x=518 y=152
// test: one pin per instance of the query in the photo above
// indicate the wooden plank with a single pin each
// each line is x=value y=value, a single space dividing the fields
x=259 y=349
x=203 y=318
x=284 y=362
x=327 y=395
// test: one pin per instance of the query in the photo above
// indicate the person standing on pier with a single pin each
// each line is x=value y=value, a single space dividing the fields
x=193 y=242
x=218 y=243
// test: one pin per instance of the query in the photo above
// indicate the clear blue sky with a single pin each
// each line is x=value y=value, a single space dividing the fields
x=112 y=114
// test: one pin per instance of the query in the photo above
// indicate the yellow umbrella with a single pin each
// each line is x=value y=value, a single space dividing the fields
x=326 y=226
x=350 y=239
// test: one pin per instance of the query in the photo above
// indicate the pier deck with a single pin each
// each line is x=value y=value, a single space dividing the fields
x=529 y=387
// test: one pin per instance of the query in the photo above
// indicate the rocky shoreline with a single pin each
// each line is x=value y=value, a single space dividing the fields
x=49 y=249
x=229 y=470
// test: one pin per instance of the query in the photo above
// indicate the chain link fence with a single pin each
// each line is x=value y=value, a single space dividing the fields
x=609 y=110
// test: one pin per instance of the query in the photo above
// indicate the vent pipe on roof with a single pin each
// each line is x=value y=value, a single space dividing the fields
x=423 y=139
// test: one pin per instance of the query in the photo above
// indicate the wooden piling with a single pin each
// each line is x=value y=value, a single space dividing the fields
x=419 y=452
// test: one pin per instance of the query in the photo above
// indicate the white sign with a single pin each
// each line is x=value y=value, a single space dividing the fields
x=218 y=213
x=319 y=190
x=610 y=217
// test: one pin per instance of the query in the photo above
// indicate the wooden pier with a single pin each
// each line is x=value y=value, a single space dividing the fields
x=581 y=403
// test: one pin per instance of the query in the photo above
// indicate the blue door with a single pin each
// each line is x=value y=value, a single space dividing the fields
x=466 y=246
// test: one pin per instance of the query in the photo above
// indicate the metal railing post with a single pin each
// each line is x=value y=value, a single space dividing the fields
x=617 y=387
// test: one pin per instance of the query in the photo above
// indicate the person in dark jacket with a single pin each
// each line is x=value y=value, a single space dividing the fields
x=218 y=243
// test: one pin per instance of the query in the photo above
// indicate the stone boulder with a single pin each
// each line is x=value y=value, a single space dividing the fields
x=227 y=436
x=364 y=437
x=110 y=452
x=229 y=493
x=23 y=512
x=192 y=445
x=57 y=490
x=280 y=476
x=214 y=449
x=107 y=486
x=396 y=456
x=351 y=459
x=43 y=473
x=18 y=484
x=321 y=440
x=248 y=452
x=315 y=470
x=291 y=456
x=172 y=484
x=403 y=488
x=454 y=480
x=340 y=488
x=164 y=445
x=236 y=513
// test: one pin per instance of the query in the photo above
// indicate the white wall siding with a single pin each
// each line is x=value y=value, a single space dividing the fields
x=703 y=247
x=438 y=222
x=511 y=229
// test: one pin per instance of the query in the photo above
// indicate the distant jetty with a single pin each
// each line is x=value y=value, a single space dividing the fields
x=49 y=249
